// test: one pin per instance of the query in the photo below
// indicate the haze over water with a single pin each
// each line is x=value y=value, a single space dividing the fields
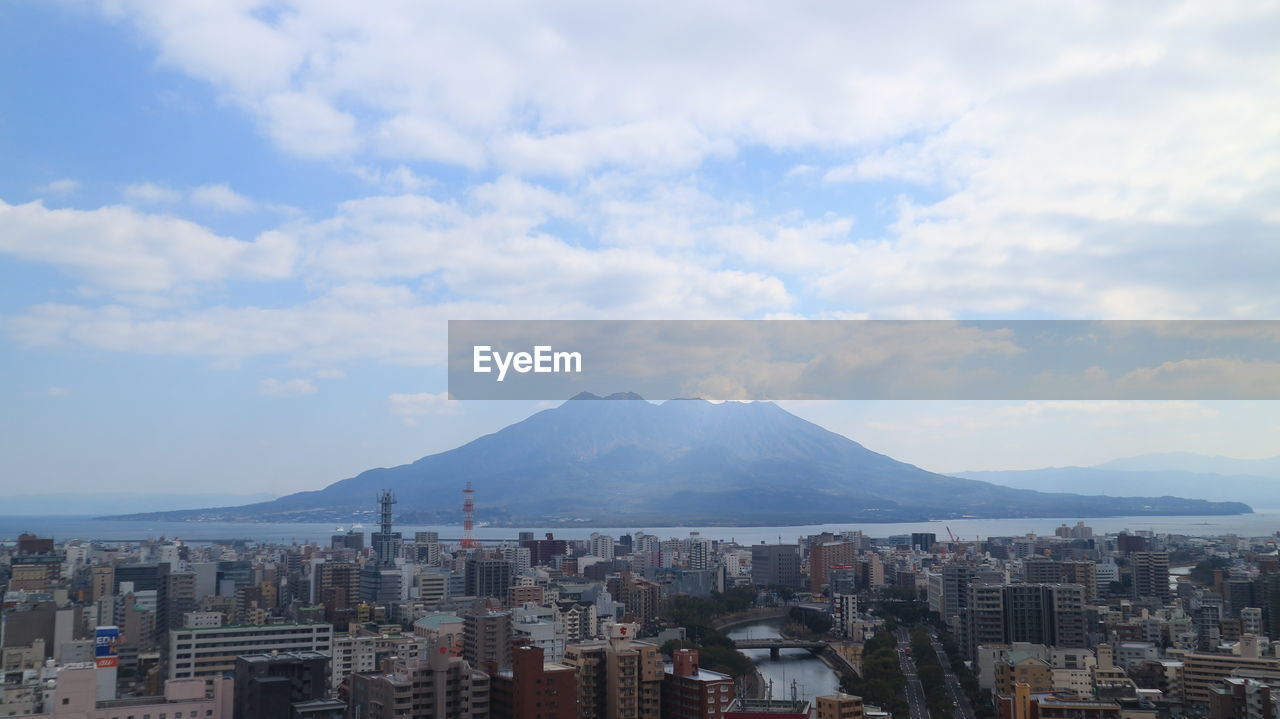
x=63 y=528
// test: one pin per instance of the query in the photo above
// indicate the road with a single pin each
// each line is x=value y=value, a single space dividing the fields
x=963 y=710
x=916 y=701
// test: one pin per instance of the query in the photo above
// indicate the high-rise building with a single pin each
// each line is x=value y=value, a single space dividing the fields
x=146 y=578
x=601 y=545
x=534 y=689
x=517 y=557
x=366 y=651
x=642 y=597
x=618 y=678
x=181 y=598
x=1084 y=573
x=103 y=582
x=824 y=556
x=439 y=687
x=488 y=577
x=776 y=565
x=844 y=610
x=1050 y=614
x=1041 y=570
x=337 y=584
x=541 y=551
x=949 y=588
x=691 y=692
x=487 y=639
x=1151 y=575
x=351 y=539
x=700 y=554
x=269 y=685
x=923 y=541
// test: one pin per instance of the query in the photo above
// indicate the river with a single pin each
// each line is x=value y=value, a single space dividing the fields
x=811 y=676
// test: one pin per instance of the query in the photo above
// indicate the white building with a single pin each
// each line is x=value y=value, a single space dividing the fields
x=212 y=651
x=365 y=653
x=601 y=545
x=844 y=608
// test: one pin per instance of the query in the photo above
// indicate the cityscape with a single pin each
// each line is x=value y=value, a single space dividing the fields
x=1069 y=625
x=730 y=359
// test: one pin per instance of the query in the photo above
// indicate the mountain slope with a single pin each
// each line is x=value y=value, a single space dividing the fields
x=624 y=460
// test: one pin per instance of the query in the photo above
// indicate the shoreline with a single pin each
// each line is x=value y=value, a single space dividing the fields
x=624 y=522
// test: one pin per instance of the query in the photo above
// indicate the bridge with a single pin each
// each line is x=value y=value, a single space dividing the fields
x=777 y=645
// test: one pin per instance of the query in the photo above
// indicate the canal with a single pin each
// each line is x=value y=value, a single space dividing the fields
x=811 y=677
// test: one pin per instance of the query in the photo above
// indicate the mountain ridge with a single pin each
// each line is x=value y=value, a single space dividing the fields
x=603 y=461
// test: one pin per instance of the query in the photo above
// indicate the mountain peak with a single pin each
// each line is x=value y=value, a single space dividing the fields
x=615 y=395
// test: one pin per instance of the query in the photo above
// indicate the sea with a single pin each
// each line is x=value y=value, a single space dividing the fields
x=1259 y=524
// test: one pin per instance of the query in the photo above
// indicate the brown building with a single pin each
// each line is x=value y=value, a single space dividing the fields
x=618 y=678
x=690 y=692
x=532 y=689
x=839 y=706
x=103 y=581
x=1084 y=573
x=527 y=594
x=337 y=585
x=32 y=544
x=1240 y=698
x=642 y=596
x=1020 y=667
x=1203 y=671
x=1023 y=704
x=823 y=556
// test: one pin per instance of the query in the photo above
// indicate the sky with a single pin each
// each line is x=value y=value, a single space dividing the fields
x=231 y=233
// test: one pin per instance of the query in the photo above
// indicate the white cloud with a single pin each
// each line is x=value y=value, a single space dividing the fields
x=412 y=407
x=1221 y=377
x=298 y=387
x=309 y=126
x=149 y=193
x=59 y=188
x=59 y=392
x=120 y=249
x=220 y=197
x=1065 y=147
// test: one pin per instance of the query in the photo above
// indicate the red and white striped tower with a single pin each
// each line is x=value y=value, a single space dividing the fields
x=469 y=540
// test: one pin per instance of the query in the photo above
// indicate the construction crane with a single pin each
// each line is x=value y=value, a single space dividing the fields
x=954 y=539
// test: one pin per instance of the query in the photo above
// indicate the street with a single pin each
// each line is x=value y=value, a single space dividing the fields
x=963 y=710
x=915 y=690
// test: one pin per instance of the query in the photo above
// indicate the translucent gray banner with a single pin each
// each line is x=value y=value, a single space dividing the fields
x=865 y=359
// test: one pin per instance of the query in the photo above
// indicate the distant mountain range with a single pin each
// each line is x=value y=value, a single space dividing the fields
x=85 y=504
x=1184 y=474
x=1199 y=463
x=625 y=461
